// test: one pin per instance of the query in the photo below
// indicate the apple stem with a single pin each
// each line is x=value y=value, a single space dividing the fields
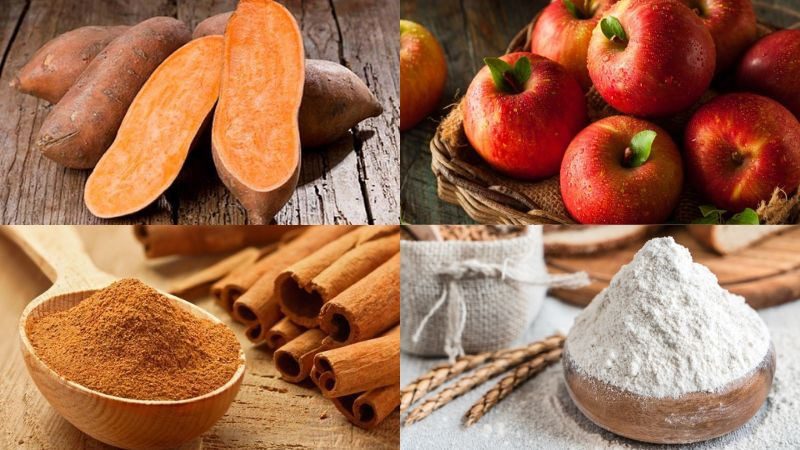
x=737 y=158
x=627 y=157
x=512 y=82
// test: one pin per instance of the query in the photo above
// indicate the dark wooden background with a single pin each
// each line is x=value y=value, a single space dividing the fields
x=353 y=181
x=470 y=30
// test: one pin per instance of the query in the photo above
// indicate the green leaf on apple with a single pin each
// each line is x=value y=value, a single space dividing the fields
x=509 y=79
x=613 y=30
x=746 y=217
x=711 y=215
x=571 y=8
x=641 y=145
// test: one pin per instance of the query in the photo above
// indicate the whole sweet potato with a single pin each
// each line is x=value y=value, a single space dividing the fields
x=83 y=124
x=53 y=69
x=212 y=25
x=334 y=98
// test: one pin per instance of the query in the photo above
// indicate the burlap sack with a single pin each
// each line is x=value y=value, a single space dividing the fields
x=472 y=296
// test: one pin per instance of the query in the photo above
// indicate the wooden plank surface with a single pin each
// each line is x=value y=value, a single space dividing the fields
x=766 y=274
x=268 y=413
x=470 y=30
x=353 y=181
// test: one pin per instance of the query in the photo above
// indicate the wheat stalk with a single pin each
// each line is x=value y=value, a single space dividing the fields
x=504 y=387
x=468 y=382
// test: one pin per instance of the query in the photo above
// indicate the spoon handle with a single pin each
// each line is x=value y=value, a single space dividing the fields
x=59 y=253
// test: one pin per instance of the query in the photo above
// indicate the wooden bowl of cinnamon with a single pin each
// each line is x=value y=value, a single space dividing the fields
x=142 y=412
x=692 y=417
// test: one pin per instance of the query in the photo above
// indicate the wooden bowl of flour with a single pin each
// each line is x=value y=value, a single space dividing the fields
x=692 y=417
x=122 y=422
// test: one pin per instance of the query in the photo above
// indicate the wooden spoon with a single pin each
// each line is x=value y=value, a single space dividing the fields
x=691 y=417
x=122 y=422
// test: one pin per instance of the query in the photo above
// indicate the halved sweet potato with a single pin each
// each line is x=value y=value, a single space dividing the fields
x=83 y=124
x=255 y=138
x=334 y=98
x=53 y=69
x=158 y=130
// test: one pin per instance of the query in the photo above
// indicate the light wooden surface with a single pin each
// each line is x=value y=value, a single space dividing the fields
x=268 y=413
x=353 y=181
x=766 y=274
x=693 y=417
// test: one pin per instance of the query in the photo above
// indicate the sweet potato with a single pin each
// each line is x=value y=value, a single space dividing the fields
x=212 y=25
x=53 y=69
x=334 y=98
x=158 y=130
x=334 y=101
x=83 y=124
x=255 y=139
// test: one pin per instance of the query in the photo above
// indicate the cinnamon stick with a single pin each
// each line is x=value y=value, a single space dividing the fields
x=288 y=357
x=281 y=333
x=164 y=240
x=306 y=242
x=365 y=309
x=368 y=409
x=199 y=282
x=360 y=367
x=307 y=284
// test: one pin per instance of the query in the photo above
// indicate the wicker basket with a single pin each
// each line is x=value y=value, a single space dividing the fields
x=464 y=179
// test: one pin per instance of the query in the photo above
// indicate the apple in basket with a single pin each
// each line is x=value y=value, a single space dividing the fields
x=651 y=58
x=740 y=147
x=772 y=67
x=423 y=73
x=562 y=32
x=520 y=113
x=732 y=24
x=621 y=170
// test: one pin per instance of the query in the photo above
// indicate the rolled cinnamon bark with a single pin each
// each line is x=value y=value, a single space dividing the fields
x=288 y=358
x=199 y=282
x=360 y=367
x=164 y=240
x=367 y=410
x=305 y=243
x=365 y=309
x=281 y=333
x=307 y=284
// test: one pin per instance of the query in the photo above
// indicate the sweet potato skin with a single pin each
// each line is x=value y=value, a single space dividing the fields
x=212 y=25
x=158 y=131
x=83 y=124
x=334 y=98
x=55 y=67
x=334 y=101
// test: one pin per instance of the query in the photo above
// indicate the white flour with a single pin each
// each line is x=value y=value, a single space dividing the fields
x=664 y=327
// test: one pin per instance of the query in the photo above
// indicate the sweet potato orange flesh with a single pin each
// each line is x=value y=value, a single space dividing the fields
x=55 y=67
x=83 y=124
x=334 y=98
x=158 y=130
x=255 y=138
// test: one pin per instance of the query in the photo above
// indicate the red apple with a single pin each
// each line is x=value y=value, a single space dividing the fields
x=621 y=170
x=651 y=57
x=772 y=68
x=740 y=147
x=423 y=73
x=521 y=120
x=732 y=24
x=562 y=33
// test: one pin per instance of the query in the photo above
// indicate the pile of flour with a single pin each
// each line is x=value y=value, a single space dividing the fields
x=664 y=327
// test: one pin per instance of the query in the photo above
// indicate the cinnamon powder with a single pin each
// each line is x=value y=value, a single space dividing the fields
x=130 y=341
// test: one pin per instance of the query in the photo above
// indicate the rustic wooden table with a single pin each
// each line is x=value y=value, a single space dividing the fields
x=353 y=181
x=268 y=413
x=470 y=30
